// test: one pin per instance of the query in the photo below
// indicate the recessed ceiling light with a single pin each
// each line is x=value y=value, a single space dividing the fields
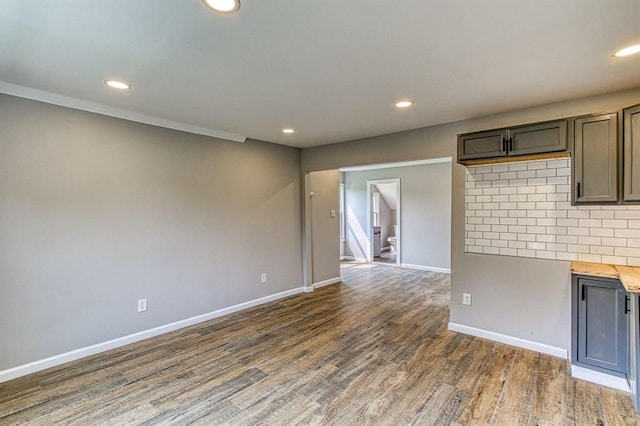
x=288 y=130
x=223 y=6
x=404 y=104
x=629 y=50
x=117 y=84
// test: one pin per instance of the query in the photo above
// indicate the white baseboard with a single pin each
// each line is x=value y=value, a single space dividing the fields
x=599 y=378
x=510 y=340
x=326 y=282
x=43 y=364
x=354 y=259
x=425 y=268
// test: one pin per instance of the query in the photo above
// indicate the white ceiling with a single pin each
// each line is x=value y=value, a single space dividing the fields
x=331 y=69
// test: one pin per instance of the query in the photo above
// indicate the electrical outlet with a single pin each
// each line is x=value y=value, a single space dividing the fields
x=142 y=305
x=263 y=278
x=466 y=299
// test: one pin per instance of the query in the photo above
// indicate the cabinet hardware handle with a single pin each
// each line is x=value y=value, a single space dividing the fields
x=578 y=190
x=626 y=305
x=504 y=145
x=582 y=291
x=510 y=144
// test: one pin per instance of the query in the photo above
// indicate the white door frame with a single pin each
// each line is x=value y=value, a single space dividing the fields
x=370 y=184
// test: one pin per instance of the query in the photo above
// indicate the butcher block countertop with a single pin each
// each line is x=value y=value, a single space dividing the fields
x=628 y=275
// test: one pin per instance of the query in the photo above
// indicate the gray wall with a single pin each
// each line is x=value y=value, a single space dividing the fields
x=425 y=214
x=325 y=229
x=97 y=212
x=524 y=298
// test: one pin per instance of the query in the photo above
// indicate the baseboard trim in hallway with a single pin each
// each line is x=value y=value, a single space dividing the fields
x=425 y=268
x=510 y=340
x=43 y=364
x=326 y=282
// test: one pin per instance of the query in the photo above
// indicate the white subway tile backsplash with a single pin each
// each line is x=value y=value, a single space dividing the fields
x=536 y=229
x=517 y=244
x=524 y=209
x=543 y=238
x=568 y=239
x=628 y=214
x=526 y=253
x=546 y=221
x=556 y=164
x=602 y=214
x=576 y=248
x=627 y=251
x=545 y=172
x=627 y=233
x=601 y=250
x=568 y=256
x=534 y=165
x=614 y=242
x=536 y=181
x=541 y=254
x=526 y=189
x=508 y=175
x=616 y=260
x=601 y=232
x=590 y=258
x=589 y=240
x=527 y=174
x=587 y=223
x=497 y=168
x=508 y=252
x=537 y=197
x=577 y=231
x=515 y=167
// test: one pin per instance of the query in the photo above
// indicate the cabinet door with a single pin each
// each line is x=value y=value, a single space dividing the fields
x=595 y=168
x=538 y=138
x=632 y=154
x=602 y=324
x=487 y=144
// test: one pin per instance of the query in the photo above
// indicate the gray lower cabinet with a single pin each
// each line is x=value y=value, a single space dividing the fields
x=595 y=159
x=631 y=124
x=531 y=139
x=599 y=331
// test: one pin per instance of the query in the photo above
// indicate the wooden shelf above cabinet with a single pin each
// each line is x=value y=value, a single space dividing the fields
x=547 y=156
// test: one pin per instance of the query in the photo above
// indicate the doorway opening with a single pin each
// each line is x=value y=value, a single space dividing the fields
x=384 y=221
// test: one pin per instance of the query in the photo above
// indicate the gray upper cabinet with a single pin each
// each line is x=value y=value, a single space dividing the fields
x=540 y=138
x=595 y=159
x=632 y=153
x=489 y=144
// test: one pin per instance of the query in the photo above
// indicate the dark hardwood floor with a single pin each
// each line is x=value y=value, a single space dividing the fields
x=372 y=350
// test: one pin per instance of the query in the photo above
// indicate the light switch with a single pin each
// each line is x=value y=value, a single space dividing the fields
x=333 y=213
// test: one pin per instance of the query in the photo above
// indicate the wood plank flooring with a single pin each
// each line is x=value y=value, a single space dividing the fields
x=374 y=349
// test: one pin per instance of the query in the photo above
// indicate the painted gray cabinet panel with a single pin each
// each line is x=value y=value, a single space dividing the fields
x=633 y=324
x=632 y=153
x=538 y=138
x=487 y=144
x=531 y=139
x=595 y=159
x=600 y=325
